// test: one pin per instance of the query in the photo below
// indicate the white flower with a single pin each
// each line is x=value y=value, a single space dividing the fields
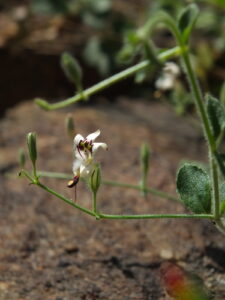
x=170 y=72
x=84 y=150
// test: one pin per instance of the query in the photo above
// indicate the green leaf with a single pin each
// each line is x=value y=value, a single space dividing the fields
x=221 y=162
x=222 y=197
x=186 y=20
x=216 y=114
x=194 y=187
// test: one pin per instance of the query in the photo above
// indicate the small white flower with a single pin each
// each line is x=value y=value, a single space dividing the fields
x=84 y=150
x=171 y=68
x=170 y=72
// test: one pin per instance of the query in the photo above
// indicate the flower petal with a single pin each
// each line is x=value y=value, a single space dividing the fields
x=76 y=165
x=85 y=171
x=171 y=68
x=165 y=82
x=96 y=146
x=77 y=139
x=93 y=136
x=82 y=155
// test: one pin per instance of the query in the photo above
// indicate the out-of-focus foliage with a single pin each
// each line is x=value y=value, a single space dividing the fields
x=92 y=12
x=101 y=49
x=104 y=50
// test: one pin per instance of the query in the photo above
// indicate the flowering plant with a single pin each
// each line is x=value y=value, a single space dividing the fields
x=201 y=193
x=84 y=150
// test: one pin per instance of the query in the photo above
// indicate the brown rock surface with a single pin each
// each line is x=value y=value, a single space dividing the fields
x=51 y=251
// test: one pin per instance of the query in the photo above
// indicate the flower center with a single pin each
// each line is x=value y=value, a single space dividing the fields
x=85 y=146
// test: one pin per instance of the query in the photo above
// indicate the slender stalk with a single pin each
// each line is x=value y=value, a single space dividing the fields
x=98 y=216
x=54 y=175
x=94 y=199
x=215 y=180
x=156 y=216
x=139 y=188
x=85 y=210
x=114 y=183
x=109 y=81
x=199 y=99
x=211 y=142
x=35 y=171
x=110 y=216
x=26 y=174
x=207 y=130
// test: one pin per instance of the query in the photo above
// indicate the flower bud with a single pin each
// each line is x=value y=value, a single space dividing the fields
x=22 y=158
x=71 y=69
x=70 y=126
x=31 y=143
x=95 y=179
x=145 y=154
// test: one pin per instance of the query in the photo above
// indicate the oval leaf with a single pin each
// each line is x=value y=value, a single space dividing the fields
x=193 y=185
x=187 y=20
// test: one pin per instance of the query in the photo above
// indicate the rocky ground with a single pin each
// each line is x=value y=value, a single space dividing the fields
x=54 y=252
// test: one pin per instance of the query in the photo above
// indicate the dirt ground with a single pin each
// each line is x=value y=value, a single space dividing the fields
x=54 y=252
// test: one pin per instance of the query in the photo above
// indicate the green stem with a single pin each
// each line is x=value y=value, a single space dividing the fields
x=85 y=210
x=139 y=188
x=110 y=216
x=199 y=100
x=114 y=183
x=26 y=174
x=215 y=180
x=35 y=171
x=157 y=216
x=54 y=175
x=94 y=199
x=108 y=82
x=207 y=130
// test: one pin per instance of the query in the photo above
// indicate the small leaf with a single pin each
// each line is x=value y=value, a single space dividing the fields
x=193 y=185
x=187 y=19
x=216 y=114
x=221 y=162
